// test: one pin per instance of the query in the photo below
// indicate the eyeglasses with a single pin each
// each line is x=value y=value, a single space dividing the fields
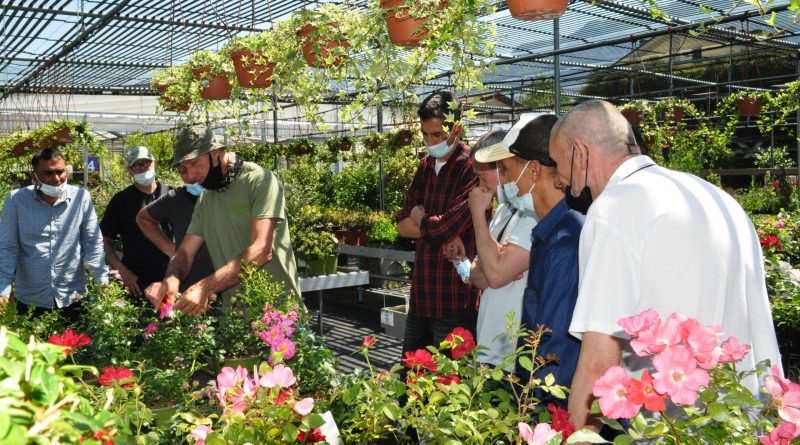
x=140 y=164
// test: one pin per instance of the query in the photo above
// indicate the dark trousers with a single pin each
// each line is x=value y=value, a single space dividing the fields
x=422 y=331
x=71 y=314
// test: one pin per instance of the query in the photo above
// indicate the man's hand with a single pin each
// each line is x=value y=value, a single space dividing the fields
x=417 y=213
x=155 y=293
x=480 y=199
x=130 y=281
x=454 y=249
x=194 y=301
x=454 y=134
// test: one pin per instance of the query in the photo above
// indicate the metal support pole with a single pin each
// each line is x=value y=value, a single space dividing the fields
x=319 y=315
x=797 y=134
x=85 y=159
x=630 y=76
x=513 y=108
x=381 y=186
x=670 y=64
x=557 y=67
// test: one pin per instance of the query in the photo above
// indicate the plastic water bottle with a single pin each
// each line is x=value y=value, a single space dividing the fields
x=463 y=266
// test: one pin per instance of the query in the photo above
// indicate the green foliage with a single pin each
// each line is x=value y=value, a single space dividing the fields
x=384 y=231
x=305 y=184
x=356 y=187
x=29 y=325
x=313 y=244
x=43 y=403
x=112 y=322
x=314 y=365
x=778 y=158
x=780 y=242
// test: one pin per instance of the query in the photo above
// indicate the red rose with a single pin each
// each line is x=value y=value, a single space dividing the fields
x=462 y=342
x=369 y=340
x=70 y=340
x=420 y=359
x=112 y=374
x=312 y=436
x=560 y=420
x=771 y=241
x=448 y=380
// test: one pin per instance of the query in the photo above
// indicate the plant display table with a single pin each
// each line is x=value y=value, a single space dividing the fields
x=334 y=281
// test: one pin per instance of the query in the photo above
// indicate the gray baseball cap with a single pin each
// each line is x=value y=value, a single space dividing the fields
x=140 y=152
x=194 y=141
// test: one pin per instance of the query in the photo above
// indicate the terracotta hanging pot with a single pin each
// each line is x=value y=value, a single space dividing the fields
x=250 y=73
x=172 y=105
x=537 y=9
x=749 y=106
x=22 y=148
x=201 y=72
x=677 y=114
x=345 y=145
x=404 y=137
x=403 y=29
x=219 y=88
x=317 y=49
x=633 y=116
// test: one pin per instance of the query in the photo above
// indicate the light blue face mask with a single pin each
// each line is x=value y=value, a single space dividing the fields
x=501 y=191
x=525 y=202
x=194 y=189
x=511 y=189
x=439 y=150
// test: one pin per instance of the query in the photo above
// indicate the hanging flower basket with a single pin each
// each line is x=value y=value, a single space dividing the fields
x=201 y=72
x=345 y=145
x=172 y=105
x=312 y=41
x=404 y=137
x=676 y=115
x=537 y=9
x=249 y=72
x=22 y=148
x=404 y=30
x=633 y=116
x=749 y=106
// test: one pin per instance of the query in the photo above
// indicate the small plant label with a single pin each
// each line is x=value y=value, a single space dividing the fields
x=387 y=318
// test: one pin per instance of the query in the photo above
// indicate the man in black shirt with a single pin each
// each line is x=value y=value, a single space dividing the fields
x=142 y=263
x=175 y=209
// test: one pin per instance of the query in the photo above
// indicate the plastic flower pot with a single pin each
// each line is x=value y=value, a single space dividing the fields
x=317 y=49
x=249 y=73
x=633 y=116
x=219 y=88
x=537 y=9
x=404 y=30
x=245 y=362
x=315 y=268
x=331 y=264
x=749 y=106
x=162 y=415
x=171 y=105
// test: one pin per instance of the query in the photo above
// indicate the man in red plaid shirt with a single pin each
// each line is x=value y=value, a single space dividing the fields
x=436 y=215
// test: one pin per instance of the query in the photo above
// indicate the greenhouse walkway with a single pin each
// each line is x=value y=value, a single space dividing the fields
x=346 y=321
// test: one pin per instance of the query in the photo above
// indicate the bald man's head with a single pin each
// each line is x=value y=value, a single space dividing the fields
x=599 y=123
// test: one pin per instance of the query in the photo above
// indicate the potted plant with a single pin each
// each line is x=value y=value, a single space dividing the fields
x=634 y=111
x=213 y=73
x=749 y=102
x=407 y=21
x=301 y=146
x=404 y=137
x=384 y=230
x=113 y=323
x=323 y=33
x=537 y=9
x=174 y=84
x=254 y=57
x=314 y=247
x=372 y=141
x=673 y=109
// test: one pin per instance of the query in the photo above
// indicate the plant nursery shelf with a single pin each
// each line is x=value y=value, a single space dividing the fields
x=376 y=252
x=333 y=281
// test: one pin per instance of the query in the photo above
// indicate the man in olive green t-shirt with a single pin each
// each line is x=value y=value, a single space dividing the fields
x=240 y=216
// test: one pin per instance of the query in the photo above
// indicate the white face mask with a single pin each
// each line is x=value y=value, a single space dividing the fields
x=145 y=178
x=501 y=191
x=52 y=191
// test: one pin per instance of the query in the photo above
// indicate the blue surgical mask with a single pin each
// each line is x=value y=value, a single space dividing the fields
x=145 y=178
x=50 y=190
x=194 y=189
x=501 y=192
x=525 y=202
x=511 y=189
x=439 y=150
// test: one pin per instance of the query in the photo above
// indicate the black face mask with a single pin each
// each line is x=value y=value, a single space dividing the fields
x=581 y=202
x=213 y=179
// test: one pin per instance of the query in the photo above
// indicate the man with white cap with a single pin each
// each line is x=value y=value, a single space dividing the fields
x=552 y=282
x=142 y=262
x=241 y=217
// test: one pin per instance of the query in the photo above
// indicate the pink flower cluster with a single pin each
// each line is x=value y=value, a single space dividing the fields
x=786 y=400
x=277 y=333
x=683 y=351
x=236 y=390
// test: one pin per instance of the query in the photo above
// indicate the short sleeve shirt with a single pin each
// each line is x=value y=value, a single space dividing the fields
x=138 y=253
x=176 y=208
x=222 y=219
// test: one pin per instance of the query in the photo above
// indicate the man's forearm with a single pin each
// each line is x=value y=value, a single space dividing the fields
x=228 y=275
x=152 y=231
x=111 y=256
x=408 y=229
x=486 y=244
x=598 y=353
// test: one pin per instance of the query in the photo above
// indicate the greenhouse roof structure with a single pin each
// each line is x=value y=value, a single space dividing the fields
x=55 y=52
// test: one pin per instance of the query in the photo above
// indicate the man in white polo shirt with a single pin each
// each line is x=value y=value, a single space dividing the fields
x=653 y=238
